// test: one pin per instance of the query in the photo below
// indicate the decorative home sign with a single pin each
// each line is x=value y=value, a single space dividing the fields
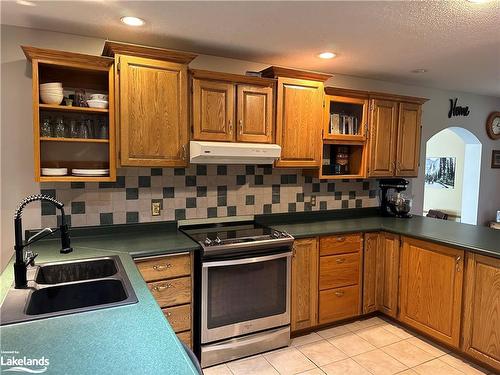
x=456 y=110
x=440 y=172
x=495 y=159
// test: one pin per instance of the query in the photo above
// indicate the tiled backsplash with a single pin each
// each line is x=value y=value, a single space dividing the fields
x=202 y=191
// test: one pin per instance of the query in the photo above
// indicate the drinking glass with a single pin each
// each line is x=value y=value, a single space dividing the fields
x=59 y=130
x=102 y=129
x=73 y=129
x=46 y=128
x=83 y=132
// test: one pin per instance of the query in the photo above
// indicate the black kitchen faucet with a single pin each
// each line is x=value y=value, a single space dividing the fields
x=22 y=259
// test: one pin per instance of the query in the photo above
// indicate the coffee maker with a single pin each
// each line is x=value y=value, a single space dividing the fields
x=394 y=202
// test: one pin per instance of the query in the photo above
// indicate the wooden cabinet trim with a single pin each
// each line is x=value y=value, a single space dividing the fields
x=277 y=71
x=112 y=48
x=233 y=78
x=164 y=267
x=370 y=259
x=340 y=244
x=248 y=113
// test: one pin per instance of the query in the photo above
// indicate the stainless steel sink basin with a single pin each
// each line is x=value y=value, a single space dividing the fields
x=62 y=288
x=64 y=272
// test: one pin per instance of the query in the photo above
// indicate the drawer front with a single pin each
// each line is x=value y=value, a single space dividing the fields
x=179 y=317
x=339 y=270
x=340 y=303
x=167 y=267
x=349 y=243
x=185 y=337
x=171 y=292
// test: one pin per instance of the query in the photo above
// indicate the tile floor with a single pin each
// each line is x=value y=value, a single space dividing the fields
x=367 y=347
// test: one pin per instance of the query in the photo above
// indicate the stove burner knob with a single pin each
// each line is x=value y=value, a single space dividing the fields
x=275 y=234
x=217 y=241
x=208 y=242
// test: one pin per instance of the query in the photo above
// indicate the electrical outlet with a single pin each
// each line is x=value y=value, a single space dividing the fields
x=155 y=208
x=313 y=200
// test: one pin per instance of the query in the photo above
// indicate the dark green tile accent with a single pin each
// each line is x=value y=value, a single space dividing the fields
x=77 y=207
x=106 y=218
x=190 y=180
x=168 y=192
x=118 y=184
x=156 y=171
x=267 y=208
x=323 y=205
x=345 y=204
x=131 y=193
x=144 y=181
x=180 y=214
x=352 y=194
x=221 y=191
x=307 y=206
x=211 y=212
x=288 y=179
x=316 y=187
x=48 y=208
x=292 y=207
x=49 y=192
x=132 y=217
x=276 y=189
x=308 y=179
x=179 y=171
x=221 y=170
x=300 y=197
x=222 y=200
x=241 y=179
x=201 y=170
x=201 y=191
x=78 y=185
x=330 y=187
x=231 y=211
x=359 y=203
x=249 y=169
x=259 y=179
x=338 y=195
x=250 y=200
x=275 y=198
x=366 y=185
x=372 y=194
x=190 y=202
x=267 y=170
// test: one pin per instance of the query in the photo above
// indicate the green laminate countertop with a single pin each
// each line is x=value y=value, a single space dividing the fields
x=478 y=239
x=130 y=339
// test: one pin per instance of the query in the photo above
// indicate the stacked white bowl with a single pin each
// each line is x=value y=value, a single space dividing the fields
x=51 y=93
x=98 y=101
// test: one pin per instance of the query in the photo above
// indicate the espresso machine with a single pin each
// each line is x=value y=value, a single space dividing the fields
x=394 y=201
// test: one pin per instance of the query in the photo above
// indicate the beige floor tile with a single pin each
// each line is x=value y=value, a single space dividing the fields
x=315 y=371
x=306 y=339
x=289 y=361
x=407 y=372
x=378 y=336
x=379 y=363
x=462 y=365
x=345 y=367
x=397 y=330
x=408 y=354
x=322 y=352
x=436 y=367
x=429 y=347
x=217 y=370
x=334 y=331
x=351 y=344
x=253 y=365
x=360 y=324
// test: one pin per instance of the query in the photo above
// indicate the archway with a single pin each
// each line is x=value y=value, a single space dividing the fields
x=452 y=173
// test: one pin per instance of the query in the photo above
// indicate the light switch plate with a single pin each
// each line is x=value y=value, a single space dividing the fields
x=155 y=208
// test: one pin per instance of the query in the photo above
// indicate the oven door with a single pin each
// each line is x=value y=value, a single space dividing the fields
x=247 y=295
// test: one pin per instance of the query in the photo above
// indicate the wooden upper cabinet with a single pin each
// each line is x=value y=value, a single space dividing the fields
x=431 y=289
x=481 y=327
x=382 y=159
x=304 y=293
x=255 y=114
x=213 y=110
x=408 y=141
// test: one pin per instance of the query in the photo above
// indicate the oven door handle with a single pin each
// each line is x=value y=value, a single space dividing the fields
x=247 y=260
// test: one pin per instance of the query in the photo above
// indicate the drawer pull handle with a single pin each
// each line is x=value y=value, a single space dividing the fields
x=169 y=314
x=457 y=262
x=159 y=288
x=340 y=260
x=162 y=267
x=339 y=293
x=340 y=239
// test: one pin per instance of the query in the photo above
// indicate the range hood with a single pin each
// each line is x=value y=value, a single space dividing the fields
x=202 y=152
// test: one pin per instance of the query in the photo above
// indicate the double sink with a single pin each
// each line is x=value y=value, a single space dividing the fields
x=62 y=288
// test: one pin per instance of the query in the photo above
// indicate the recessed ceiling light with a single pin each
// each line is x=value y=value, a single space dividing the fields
x=419 y=71
x=27 y=3
x=327 y=55
x=132 y=21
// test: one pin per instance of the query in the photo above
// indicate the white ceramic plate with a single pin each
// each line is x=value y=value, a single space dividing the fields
x=54 y=171
x=90 y=172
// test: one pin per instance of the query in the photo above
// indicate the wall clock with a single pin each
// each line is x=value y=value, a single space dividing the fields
x=493 y=125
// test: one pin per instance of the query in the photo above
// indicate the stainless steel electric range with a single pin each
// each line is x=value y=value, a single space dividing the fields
x=245 y=289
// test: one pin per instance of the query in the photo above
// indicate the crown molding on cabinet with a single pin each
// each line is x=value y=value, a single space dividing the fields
x=111 y=48
x=229 y=77
x=329 y=90
x=278 y=71
x=34 y=53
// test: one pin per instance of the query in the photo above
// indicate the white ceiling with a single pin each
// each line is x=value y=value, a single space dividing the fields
x=457 y=41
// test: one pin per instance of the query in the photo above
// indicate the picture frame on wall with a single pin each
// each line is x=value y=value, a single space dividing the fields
x=495 y=159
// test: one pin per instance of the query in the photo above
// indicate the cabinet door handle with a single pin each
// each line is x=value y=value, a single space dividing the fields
x=457 y=262
x=184 y=152
x=241 y=126
x=340 y=239
x=340 y=260
x=159 y=288
x=162 y=267
x=169 y=314
x=230 y=127
x=339 y=293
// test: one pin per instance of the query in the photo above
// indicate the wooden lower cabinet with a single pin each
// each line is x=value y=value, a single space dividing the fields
x=388 y=255
x=370 y=251
x=481 y=320
x=339 y=303
x=431 y=289
x=304 y=290
x=170 y=282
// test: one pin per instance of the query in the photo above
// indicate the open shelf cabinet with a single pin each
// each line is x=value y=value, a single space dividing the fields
x=93 y=74
x=345 y=119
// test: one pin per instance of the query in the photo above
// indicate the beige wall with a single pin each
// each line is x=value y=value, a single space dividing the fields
x=446 y=144
x=16 y=129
